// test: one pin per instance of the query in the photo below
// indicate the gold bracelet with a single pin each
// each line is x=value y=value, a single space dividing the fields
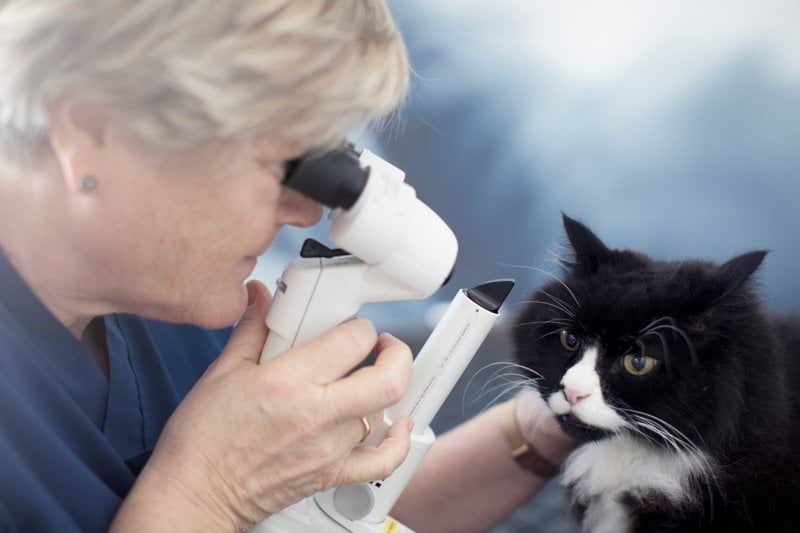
x=523 y=453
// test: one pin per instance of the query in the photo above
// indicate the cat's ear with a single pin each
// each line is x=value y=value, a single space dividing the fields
x=589 y=250
x=731 y=275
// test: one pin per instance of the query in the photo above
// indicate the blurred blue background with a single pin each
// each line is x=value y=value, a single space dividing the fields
x=672 y=128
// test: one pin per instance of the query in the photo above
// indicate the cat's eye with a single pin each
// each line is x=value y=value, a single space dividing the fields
x=638 y=365
x=569 y=341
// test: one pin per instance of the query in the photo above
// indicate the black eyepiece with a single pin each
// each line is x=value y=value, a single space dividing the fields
x=334 y=178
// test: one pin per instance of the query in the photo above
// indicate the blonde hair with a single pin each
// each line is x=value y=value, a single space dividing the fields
x=182 y=72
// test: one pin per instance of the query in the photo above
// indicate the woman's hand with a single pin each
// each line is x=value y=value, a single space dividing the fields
x=540 y=428
x=250 y=439
x=444 y=495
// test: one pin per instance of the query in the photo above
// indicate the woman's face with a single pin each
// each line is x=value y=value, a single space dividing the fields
x=174 y=239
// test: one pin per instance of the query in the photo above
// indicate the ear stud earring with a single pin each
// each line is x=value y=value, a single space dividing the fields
x=88 y=184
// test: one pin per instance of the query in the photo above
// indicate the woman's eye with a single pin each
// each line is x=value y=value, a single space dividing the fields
x=638 y=365
x=569 y=341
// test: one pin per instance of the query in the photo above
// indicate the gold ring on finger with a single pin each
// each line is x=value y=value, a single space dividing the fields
x=367 y=429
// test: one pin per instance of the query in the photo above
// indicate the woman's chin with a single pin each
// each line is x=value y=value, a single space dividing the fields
x=246 y=267
x=222 y=310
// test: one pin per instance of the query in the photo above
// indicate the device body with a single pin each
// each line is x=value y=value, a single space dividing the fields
x=394 y=247
x=397 y=248
x=438 y=366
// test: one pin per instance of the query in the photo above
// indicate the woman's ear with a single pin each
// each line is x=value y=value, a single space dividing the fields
x=77 y=135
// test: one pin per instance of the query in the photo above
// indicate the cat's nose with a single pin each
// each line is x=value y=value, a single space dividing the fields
x=574 y=395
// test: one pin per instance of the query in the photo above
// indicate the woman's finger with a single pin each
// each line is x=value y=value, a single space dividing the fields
x=375 y=422
x=250 y=334
x=334 y=353
x=362 y=431
x=373 y=463
x=376 y=387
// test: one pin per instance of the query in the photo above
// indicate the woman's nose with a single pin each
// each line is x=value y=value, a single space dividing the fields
x=297 y=209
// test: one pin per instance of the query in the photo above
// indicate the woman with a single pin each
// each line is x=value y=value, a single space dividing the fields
x=141 y=154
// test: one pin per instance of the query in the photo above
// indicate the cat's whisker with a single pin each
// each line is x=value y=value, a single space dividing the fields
x=678 y=435
x=651 y=426
x=557 y=330
x=666 y=437
x=686 y=338
x=511 y=388
x=662 y=432
x=521 y=367
x=505 y=375
x=522 y=381
x=547 y=274
x=675 y=432
x=542 y=322
x=565 y=311
x=707 y=470
x=685 y=451
x=500 y=363
x=475 y=375
x=558 y=301
x=561 y=321
x=635 y=428
x=503 y=366
x=660 y=421
x=714 y=477
x=664 y=348
x=659 y=321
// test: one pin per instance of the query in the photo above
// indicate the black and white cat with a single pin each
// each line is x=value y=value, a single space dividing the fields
x=682 y=391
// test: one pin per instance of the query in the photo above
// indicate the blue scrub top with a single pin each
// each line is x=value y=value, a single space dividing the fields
x=71 y=441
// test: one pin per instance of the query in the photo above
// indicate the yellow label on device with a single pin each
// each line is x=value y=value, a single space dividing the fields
x=390 y=526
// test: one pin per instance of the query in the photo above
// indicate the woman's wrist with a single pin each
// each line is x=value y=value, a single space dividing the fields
x=162 y=499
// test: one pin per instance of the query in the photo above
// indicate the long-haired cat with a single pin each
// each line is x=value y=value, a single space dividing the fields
x=682 y=391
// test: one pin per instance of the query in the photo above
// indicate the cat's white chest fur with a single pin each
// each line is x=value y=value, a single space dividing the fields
x=600 y=473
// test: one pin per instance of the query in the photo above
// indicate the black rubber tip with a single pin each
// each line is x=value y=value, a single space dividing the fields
x=492 y=294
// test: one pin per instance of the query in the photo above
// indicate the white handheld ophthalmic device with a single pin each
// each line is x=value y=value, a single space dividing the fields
x=397 y=248
x=393 y=247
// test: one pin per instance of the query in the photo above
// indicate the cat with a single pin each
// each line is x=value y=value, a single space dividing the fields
x=681 y=390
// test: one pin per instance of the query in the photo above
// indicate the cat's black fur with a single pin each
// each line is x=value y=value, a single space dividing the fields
x=732 y=386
